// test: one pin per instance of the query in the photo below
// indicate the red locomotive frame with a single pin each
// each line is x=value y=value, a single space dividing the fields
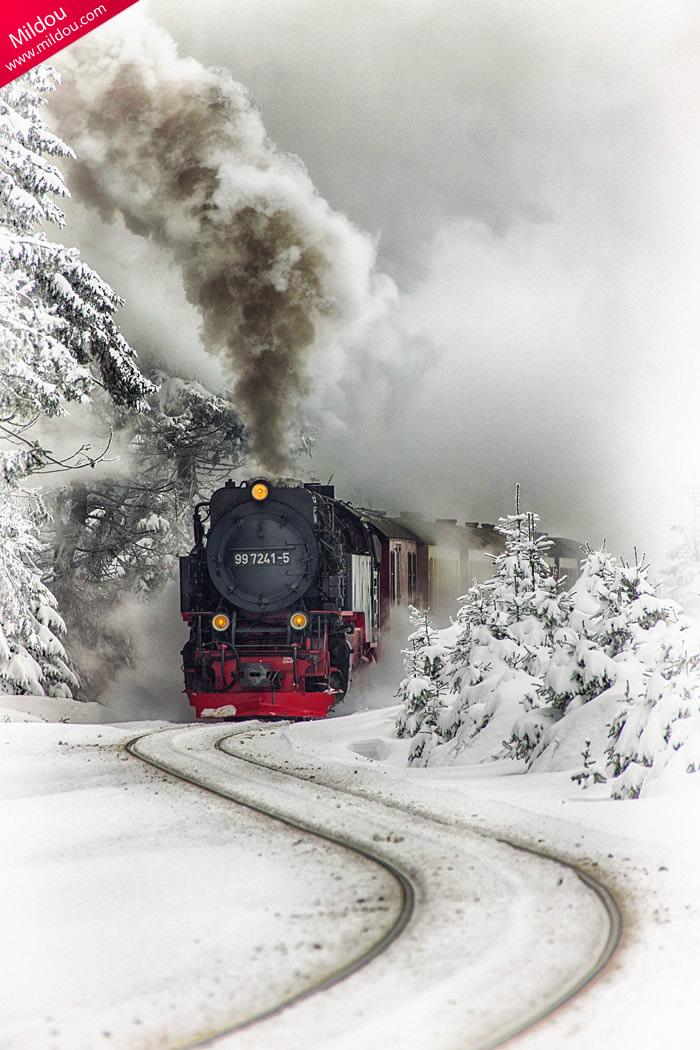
x=290 y=668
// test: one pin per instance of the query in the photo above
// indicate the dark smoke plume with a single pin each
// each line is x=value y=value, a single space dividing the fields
x=181 y=153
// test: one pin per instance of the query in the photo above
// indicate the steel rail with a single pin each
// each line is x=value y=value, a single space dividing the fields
x=611 y=908
x=614 y=914
x=388 y=936
x=610 y=905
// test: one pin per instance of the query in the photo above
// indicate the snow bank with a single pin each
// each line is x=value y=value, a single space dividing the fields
x=49 y=709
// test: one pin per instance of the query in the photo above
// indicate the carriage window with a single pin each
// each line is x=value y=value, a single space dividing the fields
x=412 y=573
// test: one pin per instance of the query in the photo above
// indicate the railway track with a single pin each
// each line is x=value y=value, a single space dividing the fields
x=465 y=902
x=384 y=937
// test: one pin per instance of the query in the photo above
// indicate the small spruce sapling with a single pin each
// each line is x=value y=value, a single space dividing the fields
x=592 y=770
x=420 y=691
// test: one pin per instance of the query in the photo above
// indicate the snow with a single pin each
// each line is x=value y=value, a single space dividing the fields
x=141 y=907
x=49 y=709
x=478 y=902
x=645 y=850
x=139 y=912
x=226 y=711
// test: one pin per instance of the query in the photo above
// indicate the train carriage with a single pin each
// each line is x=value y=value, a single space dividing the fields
x=401 y=583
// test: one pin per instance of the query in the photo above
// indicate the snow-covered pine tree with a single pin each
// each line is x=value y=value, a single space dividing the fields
x=524 y=585
x=614 y=617
x=187 y=442
x=468 y=663
x=32 y=658
x=591 y=772
x=38 y=371
x=57 y=336
x=56 y=313
x=132 y=525
x=580 y=667
x=642 y=652
x=508 y=628
x=656 y=650
x=421 y=690
x=630 y=607
x=537 y=610
x=660 y=728
x=657 y=734
x=520 y=643
x=120 y=535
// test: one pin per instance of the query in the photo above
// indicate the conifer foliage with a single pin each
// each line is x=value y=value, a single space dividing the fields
x=524 y=657
x=32 y=657
x=656 y=651
x=58 y=339
x=422 y=689
x=117 y=536
x=130 y=526
x=496 y=654
x=55 y=312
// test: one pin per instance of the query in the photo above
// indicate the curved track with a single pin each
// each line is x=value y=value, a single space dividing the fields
x=385 y=937
x=412 y=884
x=604 y=895
x=614 y=915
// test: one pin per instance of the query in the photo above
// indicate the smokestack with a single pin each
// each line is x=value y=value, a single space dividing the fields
x=181 y=153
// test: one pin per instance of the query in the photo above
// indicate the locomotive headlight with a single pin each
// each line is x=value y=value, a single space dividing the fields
x=259 y=490
x=298 y=620
x=220 y=622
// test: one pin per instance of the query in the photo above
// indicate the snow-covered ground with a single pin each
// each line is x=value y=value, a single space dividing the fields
x=139 y=912
x=646 y=851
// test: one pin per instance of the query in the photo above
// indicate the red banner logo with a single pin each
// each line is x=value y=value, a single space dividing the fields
x=33 y=30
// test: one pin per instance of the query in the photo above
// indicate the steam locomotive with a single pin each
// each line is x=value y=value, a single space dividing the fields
x=281 y=594
x=287 y=589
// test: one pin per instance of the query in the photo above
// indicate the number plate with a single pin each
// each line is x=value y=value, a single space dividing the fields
x=262 y=557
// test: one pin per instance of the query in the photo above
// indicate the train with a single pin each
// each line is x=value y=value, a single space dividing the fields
x=288 y=592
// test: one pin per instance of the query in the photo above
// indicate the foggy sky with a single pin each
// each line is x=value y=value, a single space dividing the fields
x=530 y=172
